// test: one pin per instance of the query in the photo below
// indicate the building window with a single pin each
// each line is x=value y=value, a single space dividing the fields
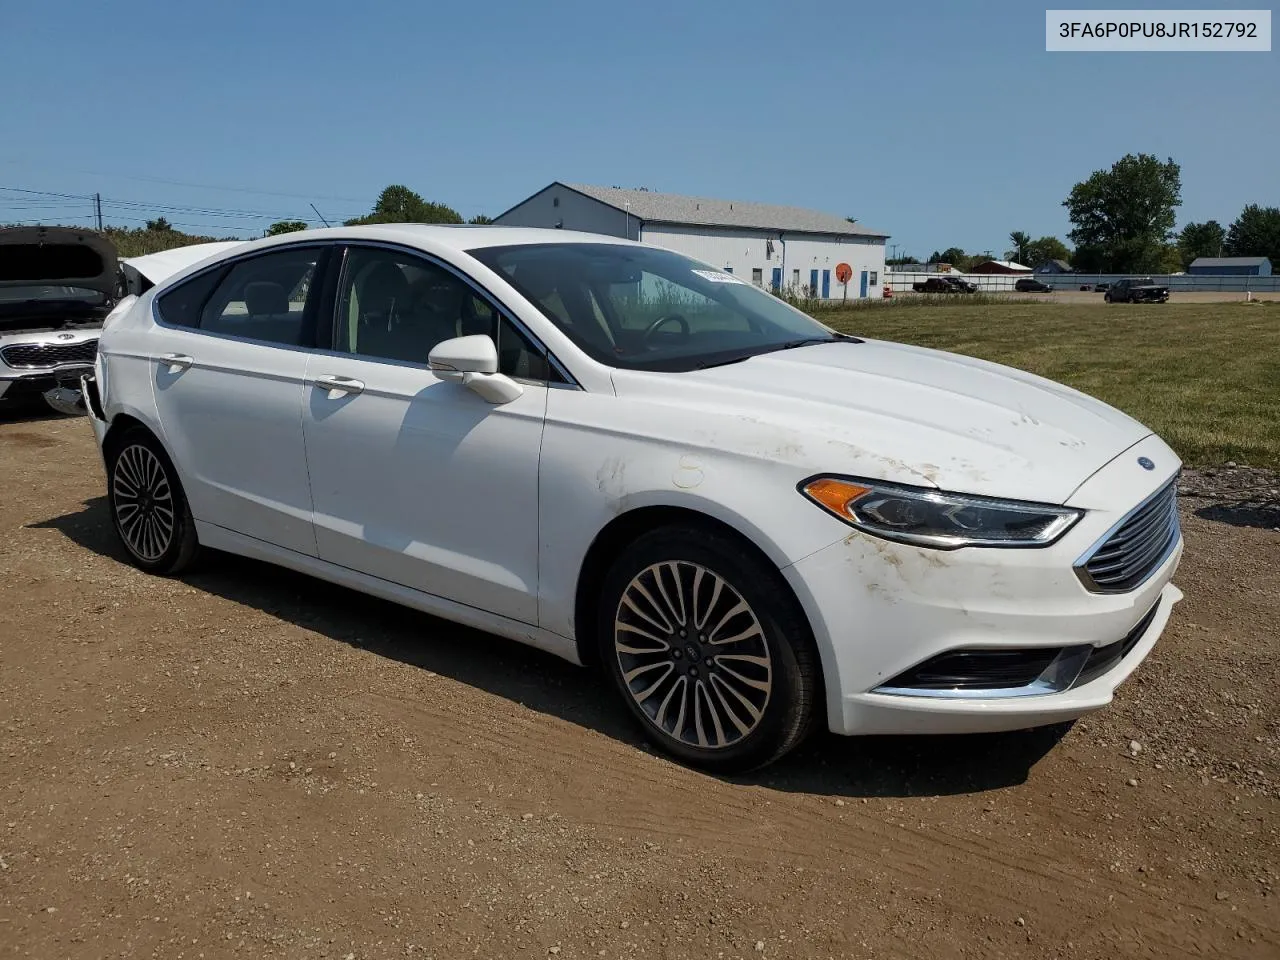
x=875 y=277
x=757 y=276
x=795 y=279
x=555 y=201
x=728 y=269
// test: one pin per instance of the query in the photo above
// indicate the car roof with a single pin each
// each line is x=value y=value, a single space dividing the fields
x=460 y=237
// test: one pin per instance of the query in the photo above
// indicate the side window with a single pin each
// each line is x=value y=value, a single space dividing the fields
x=264 y=298
x=181 y=305
x=396 y=306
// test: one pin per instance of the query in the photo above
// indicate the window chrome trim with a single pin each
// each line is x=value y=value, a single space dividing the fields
x=227 y=265
x=499 y=307
x=1079 y=566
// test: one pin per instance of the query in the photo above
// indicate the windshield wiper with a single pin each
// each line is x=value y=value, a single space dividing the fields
x=708 y=364
x=785 y=345
x=809 y=341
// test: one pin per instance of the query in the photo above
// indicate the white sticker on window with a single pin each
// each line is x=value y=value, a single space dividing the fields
x=717 y=276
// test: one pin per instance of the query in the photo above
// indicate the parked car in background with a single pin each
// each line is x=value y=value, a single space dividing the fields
x=1031 y=285
x=621 y=455
x=1136 y=290
x=942 y=284
x=57 y=285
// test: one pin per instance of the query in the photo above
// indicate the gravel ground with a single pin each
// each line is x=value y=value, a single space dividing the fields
x=249 y=763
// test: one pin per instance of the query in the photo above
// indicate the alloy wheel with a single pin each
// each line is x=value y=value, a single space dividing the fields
x=143 y=502
x=693 y=654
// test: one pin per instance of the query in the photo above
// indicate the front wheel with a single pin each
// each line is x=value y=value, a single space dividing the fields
x=148 y=508
x=1106 y=298
x=708 y=649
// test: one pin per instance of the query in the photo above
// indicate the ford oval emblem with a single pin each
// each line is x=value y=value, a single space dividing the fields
x=1146 y=463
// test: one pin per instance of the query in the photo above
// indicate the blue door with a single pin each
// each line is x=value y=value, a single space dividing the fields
x=777 y=279
x=813 y=283
x=862 y=284
x=826 y=284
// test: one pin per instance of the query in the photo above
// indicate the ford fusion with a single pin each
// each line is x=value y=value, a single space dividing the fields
x=754 y=524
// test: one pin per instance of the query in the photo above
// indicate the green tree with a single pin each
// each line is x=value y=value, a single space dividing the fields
x=1255 y=233
x=1125 y=215
x=1041 y=251
x=1200 y=240
x=159 y=225
x=399 y=204
x=285 y=226
x=952 y=255
x=1020 y=242
x=480 y=218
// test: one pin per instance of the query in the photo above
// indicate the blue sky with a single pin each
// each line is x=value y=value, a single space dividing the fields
x=940 y=123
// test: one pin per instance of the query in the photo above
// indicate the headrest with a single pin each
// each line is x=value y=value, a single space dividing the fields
x=265 y=297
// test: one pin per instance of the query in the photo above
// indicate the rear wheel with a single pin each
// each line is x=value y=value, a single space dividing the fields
x=1106 y=298
x=148 y=508
x=708 y=650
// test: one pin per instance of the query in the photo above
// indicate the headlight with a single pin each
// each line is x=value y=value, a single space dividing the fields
x=945 y=521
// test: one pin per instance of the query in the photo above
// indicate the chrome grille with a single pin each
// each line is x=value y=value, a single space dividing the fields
x=1137 y=547
x=33 y=356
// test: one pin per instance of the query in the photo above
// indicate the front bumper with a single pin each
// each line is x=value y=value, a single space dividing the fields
x=59 y=386
x=879 y=609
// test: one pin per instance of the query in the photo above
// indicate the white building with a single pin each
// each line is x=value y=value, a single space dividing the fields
x=780 y=247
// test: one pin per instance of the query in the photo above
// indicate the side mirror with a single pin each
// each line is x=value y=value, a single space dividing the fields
x=473 y=362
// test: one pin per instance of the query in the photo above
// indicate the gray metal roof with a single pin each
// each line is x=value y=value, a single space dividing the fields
x=701 y=211
x=1229 y=261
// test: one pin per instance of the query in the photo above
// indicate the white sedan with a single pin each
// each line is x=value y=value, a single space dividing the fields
x=624 y=456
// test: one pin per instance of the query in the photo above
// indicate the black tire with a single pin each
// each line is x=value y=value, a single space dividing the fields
x=773 y=629
x=1106 y=298
x=148 y=507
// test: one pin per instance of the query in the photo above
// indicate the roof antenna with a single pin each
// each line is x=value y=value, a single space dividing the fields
x=321 y=216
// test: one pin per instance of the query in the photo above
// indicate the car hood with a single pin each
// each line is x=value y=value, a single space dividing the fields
x=893 y=412
x=63 y=256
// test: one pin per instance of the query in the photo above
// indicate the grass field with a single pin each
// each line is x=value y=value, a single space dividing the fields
x=1206 y=377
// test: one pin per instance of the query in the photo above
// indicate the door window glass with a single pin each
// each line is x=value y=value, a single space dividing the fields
x=397 y=306
x=264 y=298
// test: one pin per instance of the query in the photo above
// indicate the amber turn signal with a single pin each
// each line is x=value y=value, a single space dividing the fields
x=835 y=495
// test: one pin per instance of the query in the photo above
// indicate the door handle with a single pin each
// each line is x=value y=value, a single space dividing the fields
x=177 y=362
x=339 y=384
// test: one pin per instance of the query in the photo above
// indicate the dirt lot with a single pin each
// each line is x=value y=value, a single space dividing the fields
x=249 y=763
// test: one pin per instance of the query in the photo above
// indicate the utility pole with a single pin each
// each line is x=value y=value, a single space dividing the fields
x=97 y=208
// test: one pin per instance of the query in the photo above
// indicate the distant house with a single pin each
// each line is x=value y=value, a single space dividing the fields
x=1053 y=266
x=781 y=248
x=1231 y=266
x=999 y=266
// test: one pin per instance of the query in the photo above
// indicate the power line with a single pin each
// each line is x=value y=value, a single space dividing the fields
x=148 y=205
x=200 y=186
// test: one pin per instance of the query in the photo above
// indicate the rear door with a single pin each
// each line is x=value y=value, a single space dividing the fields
x=232 y=348
x=416 y=480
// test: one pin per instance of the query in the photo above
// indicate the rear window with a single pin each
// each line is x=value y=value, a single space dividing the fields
x=181 y=306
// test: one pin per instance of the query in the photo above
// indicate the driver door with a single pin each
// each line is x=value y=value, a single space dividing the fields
x=416 y=480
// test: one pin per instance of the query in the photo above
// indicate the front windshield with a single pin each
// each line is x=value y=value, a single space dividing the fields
x=44 y=291
x=648 y=309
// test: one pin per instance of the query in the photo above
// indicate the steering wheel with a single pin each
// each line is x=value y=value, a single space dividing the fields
x=666 y=318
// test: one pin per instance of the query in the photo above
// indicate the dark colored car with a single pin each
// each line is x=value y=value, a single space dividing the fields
x=1136 y=290
x=1031 y=285
x=57 y=285
x=944 y=285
